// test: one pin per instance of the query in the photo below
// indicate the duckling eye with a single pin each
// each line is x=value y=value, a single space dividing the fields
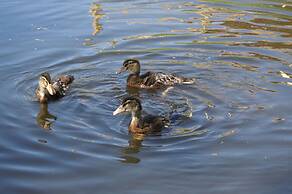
x=130 y=63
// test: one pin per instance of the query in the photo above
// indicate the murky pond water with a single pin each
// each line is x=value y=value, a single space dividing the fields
x=233 y=132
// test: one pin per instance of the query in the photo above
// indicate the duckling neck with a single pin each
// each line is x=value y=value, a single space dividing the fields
x=134 y=125
x=136 y=73
x=42 y=94
x=136 y=70
x=134 y=79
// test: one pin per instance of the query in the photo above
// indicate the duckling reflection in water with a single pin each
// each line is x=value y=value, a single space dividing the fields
x=52 y=90
x=141 y=124
x=129 y=152
x=44 y=118
x=150 y=80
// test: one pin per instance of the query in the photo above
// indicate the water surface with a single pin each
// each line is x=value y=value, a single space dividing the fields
x=232 y=129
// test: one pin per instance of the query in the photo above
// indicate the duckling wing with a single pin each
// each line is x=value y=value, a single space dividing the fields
x=171 y=79
x=62 y=84
x=154 y=123
x=159 y=79
x=149 y=79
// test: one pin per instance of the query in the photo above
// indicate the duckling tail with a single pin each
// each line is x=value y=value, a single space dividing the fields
x=166 y=122
x=66 y=79
x=187 y=80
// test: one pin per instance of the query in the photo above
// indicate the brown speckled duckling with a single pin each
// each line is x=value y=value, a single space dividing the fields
x=48 y=90
x=141 y=125
x=150 y=80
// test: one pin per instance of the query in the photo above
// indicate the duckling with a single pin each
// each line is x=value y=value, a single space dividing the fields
x=150 y=79
x=141 y=125
x=48 y=90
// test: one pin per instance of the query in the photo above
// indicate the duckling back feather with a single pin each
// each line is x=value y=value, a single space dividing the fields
x=158 y=79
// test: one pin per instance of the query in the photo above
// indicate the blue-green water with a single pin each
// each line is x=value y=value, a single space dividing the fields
x=234 y=130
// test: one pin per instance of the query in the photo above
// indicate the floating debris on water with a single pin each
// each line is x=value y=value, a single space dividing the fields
x=278 y=119
x=228 y=133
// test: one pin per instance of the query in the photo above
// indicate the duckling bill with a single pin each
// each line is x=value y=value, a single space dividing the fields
x=150 y=79
x=52 y=90
x=140 y=124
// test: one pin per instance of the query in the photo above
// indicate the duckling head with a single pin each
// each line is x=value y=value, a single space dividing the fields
x=131 y=65
x=45 y=83
x=129 y=104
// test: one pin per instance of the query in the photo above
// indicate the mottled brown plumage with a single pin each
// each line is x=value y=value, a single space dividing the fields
x=150 y=79
x=141 y=124
x=52 y=90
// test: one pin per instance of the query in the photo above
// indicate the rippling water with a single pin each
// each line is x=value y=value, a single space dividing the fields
x=232 y=129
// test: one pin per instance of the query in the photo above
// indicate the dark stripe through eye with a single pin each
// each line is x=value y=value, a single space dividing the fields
x=126 y=103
